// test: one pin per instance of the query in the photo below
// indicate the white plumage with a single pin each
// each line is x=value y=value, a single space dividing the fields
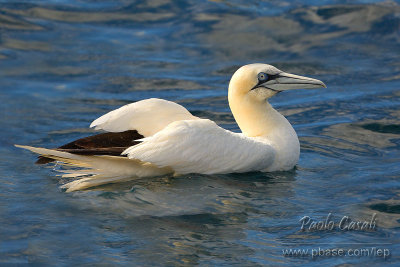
x=201 y=146
x=148 y=117
x=177 y=142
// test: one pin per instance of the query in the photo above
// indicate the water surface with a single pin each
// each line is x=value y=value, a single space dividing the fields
x=64 y=63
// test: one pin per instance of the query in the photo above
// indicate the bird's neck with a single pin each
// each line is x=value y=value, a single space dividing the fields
x=258 y=118
x=261 y=120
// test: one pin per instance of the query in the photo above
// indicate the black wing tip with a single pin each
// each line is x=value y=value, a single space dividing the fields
x=111 y=144
x=43 y=160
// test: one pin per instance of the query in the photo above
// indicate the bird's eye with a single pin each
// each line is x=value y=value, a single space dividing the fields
x=262 y=77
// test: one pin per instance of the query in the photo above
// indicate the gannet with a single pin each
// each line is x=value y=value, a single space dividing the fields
x=156 y=137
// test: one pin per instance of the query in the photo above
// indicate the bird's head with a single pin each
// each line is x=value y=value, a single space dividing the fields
x=258 y=82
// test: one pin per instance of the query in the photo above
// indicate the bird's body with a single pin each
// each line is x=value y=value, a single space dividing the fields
x=175 y=141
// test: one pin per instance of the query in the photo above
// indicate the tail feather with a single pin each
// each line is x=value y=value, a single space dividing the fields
x=98 y=170
x=92 y=181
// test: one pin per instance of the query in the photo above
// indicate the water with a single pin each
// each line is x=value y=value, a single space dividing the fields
x=64 y=63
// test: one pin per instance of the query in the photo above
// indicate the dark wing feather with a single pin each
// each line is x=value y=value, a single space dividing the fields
x=112 y=144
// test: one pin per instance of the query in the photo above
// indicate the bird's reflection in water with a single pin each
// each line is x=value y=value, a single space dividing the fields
x=194 y=193
x=208 y=214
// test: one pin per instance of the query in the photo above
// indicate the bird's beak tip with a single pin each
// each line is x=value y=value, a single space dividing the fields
x=287 y=81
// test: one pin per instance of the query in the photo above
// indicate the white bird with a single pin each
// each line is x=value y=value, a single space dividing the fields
x=158 y=137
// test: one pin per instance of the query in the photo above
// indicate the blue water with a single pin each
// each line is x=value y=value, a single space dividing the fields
x=64 y=63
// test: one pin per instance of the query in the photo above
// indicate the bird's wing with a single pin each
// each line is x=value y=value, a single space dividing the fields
x=125 y=126
x=147 y=117
x=201 y=146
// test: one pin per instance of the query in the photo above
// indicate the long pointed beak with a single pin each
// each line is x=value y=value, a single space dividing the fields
x=286 y=81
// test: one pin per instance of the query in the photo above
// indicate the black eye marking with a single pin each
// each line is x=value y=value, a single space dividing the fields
x=263 y=77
